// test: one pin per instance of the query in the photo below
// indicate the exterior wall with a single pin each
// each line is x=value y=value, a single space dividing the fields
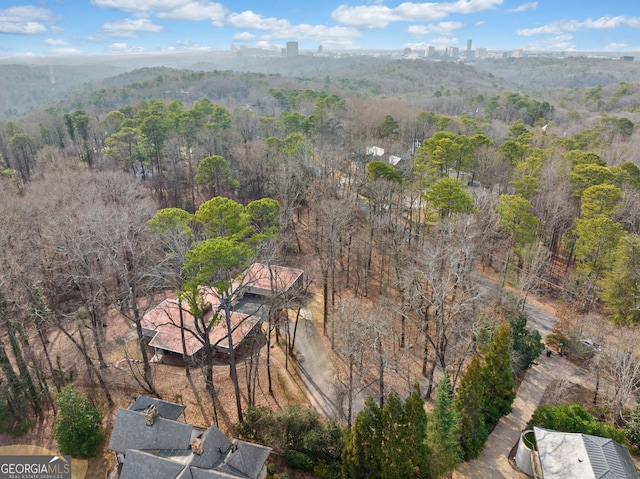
x=536 y=466
x=523 y=456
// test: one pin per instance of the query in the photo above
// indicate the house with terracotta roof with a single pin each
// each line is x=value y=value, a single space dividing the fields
x=151 y=441
x=171 y=328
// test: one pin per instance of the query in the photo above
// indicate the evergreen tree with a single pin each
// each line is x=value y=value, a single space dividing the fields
x=442 y=435
x=526 y=345
x=497 y=378
x=621 y=285
x=416 y=419
x=388 y=442
x=394 y=453
x=361 y=454
x=468 y=406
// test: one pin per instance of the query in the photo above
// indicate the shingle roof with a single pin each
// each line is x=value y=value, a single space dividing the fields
x=246 y=459
x=214 y=447
x=166 y=409
x=140 y=464
x=164 y=449
x=566 y=455
x=131 y=432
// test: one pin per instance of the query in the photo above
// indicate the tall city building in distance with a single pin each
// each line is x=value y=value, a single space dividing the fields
x=292 y=49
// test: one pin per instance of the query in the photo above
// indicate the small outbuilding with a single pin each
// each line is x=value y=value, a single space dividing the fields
x=566 y=455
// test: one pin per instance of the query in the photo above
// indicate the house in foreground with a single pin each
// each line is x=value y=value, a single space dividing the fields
x=254 y=291
x=150 y=441
x=566 y=455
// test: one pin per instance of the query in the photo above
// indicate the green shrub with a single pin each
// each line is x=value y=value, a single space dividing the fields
x=294 y=426
x=632 y=429
x=574 y=418
x=78 y=427
x=556 y=341
x=298 y=460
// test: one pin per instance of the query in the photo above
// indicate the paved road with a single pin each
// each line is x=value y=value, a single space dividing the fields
x=315 y=366
x=538 y=318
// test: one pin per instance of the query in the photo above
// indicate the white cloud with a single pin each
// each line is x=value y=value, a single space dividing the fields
x=26 y=20
x=123 y=48
x=620 y=46
x=560 y=43
x=244 y=37
x=380 y=16
x=196 y=11
x=444 y=41
x=562 y=26
x=280 y=29
x=439 y=42
x=146 y=7
x=184 y=45
x=524 y=7
x=443 y=28
x=130 y=28
x=193 y=10
x=255 y=21
x=64 y=51
x=54 y=42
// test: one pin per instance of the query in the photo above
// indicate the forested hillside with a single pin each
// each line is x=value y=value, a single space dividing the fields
x=395 y=185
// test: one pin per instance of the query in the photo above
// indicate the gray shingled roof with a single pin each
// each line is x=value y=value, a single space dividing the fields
x=209 y=474
x=131 y=432
x=163 y=450
x=140 y=464
x=246 y=459
x=166 y=409
x=214 y=448
x=566 y=455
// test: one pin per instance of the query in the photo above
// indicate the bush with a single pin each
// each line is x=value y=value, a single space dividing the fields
x=557 y=341
x=632 y=429
x=294 y=426
x=574 y=418
x=298 y=460
x=78 y=427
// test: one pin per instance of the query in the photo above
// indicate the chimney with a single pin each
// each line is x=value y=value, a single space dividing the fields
x=150 y=413
x=196 y=446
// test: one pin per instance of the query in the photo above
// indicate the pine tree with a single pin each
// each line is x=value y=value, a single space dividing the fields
x=361 y=454
x=442 y=435
x=621 y=285
x=416 y=419
x=394 y=452
x=388 y=442
x=497 y=378
x=468 y=405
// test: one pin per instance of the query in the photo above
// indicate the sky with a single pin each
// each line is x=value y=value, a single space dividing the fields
x=98 y=27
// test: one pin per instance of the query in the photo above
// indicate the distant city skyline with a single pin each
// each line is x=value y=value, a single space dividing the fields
x=98 y=27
